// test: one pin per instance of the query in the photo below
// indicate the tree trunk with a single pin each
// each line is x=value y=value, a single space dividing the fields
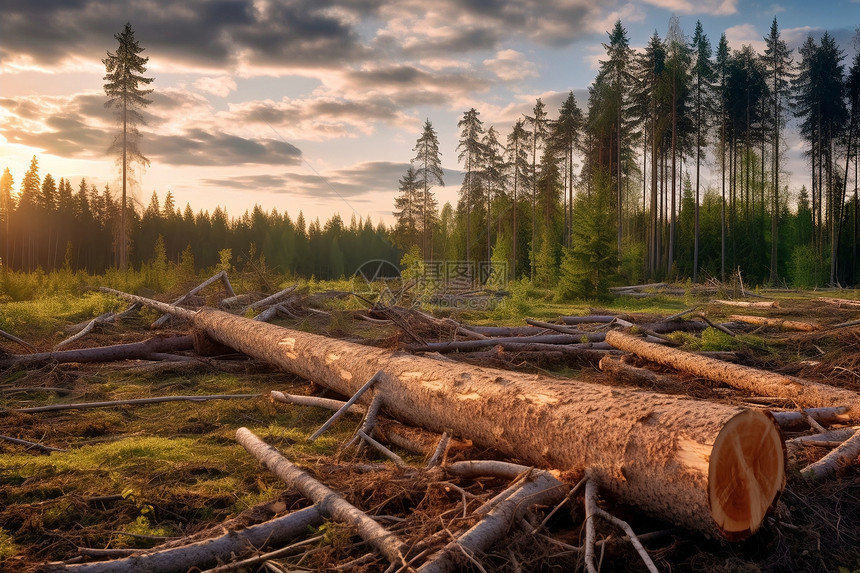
x=710 y=467
x=805 y=394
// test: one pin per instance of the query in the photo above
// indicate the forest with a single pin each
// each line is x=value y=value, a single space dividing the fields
x=674 y=170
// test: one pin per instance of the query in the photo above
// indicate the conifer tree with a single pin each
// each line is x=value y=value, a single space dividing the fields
x=124 y=69
x=778 y=64
x=703 y=74
x=428 y=173
x=7 y=206
x=518 y=163
x=471 y=155
x=538 y=134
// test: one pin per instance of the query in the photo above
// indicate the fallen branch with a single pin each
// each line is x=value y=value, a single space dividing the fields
x=132 y=351
x=343 y=409
x=794 y=419
x=843 y=455
x=208 y=552
x=804 y=393
x=31 y=445
x=592 y=511
x=90 y=326
x=555 y=327
x=17 y=340
x=538 y=488
x=327 y=403
x=132 y=402
x=220 y=276
x=270 y=299
x=329 y=503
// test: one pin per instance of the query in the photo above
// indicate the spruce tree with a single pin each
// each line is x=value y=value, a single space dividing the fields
x=125 y=96
x=428 y=172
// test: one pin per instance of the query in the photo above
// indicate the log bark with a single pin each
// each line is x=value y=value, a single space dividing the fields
x=805 y=394
x=196 y=556
x=747 y=304
x=710 y=467
x=785 y=324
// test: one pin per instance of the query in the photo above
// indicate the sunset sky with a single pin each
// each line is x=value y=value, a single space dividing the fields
x=315 y=105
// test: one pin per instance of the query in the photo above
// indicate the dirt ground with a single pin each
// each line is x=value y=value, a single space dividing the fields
x=141 y=475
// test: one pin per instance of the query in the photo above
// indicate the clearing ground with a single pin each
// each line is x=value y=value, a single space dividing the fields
x=139 y=475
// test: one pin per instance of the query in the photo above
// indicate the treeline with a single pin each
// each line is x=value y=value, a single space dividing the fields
x=631 y=170
x=51 y=225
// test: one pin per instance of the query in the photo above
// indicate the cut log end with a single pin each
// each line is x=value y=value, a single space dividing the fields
x=746 y=473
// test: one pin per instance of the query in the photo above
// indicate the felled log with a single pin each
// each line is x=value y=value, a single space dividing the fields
x=747 y=304
x=839 y=302
x=806 y=394
x=710 y=467
x=132 y=351
x=196 y=556
x=785 y=324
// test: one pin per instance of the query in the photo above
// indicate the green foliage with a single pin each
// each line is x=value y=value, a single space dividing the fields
x=589 y=265
x=412 y=264
x=807 y=268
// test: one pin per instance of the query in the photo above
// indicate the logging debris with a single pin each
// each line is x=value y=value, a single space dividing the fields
x=461 y=498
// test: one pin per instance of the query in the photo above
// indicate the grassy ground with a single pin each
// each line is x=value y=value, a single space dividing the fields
x=135 y=476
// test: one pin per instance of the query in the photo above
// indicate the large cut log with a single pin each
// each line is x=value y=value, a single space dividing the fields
x=806 y=394
x=711 y=467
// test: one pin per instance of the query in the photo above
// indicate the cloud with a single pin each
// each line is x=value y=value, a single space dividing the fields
x=510 y=65
x=220 y=86
x=79 y=126
x=210 y=34
x=204 y=148
x=350 y=182
x=709 y=7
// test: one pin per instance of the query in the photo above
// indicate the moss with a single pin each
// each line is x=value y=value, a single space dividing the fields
x=8 y=549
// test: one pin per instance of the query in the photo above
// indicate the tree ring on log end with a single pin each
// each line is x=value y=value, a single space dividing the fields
x=746 y=473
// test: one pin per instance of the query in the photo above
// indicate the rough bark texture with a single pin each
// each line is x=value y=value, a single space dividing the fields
x=805 y=394
x=785 y=324
x=653 y=450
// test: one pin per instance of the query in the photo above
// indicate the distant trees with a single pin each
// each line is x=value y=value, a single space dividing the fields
x=124 y=69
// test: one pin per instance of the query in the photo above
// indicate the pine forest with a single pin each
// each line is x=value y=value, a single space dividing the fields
x=673 y=169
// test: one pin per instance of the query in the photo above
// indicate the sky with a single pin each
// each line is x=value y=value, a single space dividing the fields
x=316 y=105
